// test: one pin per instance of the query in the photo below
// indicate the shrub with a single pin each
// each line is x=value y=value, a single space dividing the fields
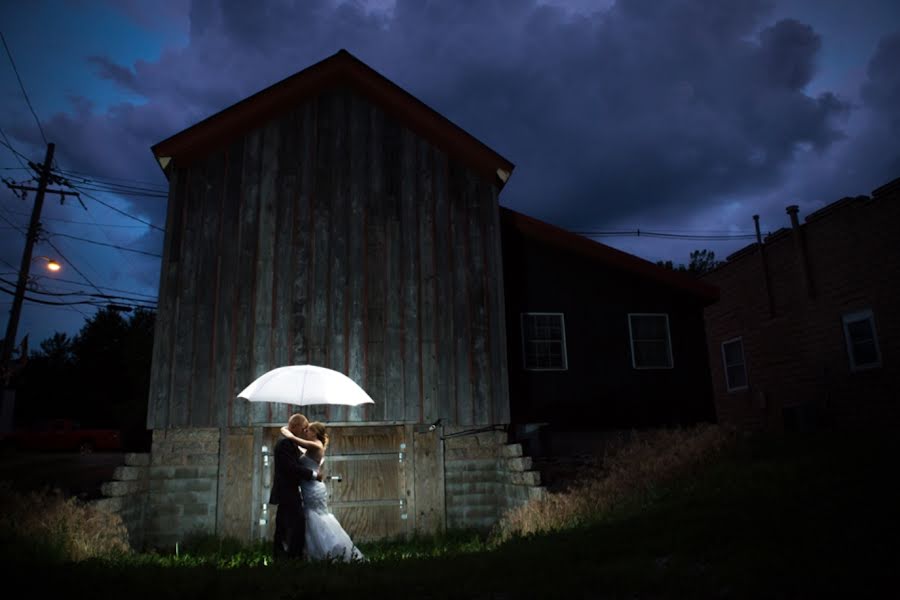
x=636 y=471
x=50 y=526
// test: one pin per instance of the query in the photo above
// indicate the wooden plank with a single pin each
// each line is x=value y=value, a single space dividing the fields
x=179 y=402
x=283 y=262
x=264 y=269
x=321 y=218
x=235 y=491
x=428 y=468
x=409 y=274
x=367 y=501
x=206 y=272
x=368 y=523
x=376 y=267
x=339 y=245
x=497 y=309
x=393 y=357
x=246 y=274
x=364 y=478
x=458 y=201
x=444 y=291
x=478 y=315
x=427 y=350
x=301 y=240
x=226 y=298
x=161 y=365
x=358 y=177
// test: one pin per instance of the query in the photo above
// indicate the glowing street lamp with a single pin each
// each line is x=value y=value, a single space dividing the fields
x=52 y=265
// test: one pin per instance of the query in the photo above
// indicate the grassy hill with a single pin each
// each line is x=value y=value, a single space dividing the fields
x=801 y=516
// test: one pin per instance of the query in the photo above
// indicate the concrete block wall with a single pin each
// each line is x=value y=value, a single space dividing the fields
x=485 y=476
x=126 y=495
x=182 y=485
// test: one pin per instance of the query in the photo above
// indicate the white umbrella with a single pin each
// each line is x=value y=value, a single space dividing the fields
x=304 y=385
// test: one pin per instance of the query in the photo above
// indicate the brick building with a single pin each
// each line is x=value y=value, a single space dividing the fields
x=806 y=331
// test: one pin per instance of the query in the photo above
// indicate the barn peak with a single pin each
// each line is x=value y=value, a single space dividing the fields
x=341 y=69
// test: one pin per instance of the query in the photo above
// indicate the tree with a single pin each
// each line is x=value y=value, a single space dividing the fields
x=100 y=377
x=702 y=262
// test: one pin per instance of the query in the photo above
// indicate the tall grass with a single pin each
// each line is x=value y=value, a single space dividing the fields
x=48 y=526
x=633 y=472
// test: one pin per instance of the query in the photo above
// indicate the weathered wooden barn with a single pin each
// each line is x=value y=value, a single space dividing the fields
x=336 y=220
x=599 y=340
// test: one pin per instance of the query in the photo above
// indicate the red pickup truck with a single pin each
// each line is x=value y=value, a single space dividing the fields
x=63 y=434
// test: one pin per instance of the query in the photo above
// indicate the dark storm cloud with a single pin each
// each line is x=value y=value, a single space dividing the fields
x=881 y=91
x=650 y=106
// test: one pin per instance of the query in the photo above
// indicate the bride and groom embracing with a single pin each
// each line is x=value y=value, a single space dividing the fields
x=303 y=518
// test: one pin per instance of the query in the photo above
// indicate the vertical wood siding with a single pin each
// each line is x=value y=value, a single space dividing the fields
x=331 y=236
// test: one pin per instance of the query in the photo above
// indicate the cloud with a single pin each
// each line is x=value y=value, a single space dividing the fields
x=643 y=107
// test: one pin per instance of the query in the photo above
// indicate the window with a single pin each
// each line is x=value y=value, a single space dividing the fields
x=862 y=341
x=735 y=369
x=651 y=346
x=544 y=342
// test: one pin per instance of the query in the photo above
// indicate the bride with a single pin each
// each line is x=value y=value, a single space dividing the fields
x=325 y=538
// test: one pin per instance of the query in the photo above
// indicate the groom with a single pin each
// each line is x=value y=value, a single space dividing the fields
x=290 y=522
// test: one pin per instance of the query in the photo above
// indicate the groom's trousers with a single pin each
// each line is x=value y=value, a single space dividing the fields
x=290 y=531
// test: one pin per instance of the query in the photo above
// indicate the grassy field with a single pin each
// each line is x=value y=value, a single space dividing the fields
x=803 y=516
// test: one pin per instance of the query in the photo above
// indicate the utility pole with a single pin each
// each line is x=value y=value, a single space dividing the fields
x=9 y=342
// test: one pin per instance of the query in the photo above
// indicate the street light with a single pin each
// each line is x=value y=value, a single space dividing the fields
x=52 y=265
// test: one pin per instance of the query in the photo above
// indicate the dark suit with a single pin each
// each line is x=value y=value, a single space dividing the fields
x=290 y=523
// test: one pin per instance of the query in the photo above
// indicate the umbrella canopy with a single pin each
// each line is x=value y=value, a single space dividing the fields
x=304 y=385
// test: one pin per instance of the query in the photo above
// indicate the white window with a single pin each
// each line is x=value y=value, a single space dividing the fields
x=544 y=342
x=862 y=341
x=651 y=345
x=735 y=368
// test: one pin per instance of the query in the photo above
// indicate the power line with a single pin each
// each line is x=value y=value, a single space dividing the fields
x=21 y=214
x=672 y=236
x=81 y=174
x=123 y=192
x=81 y=239
x=19 y=156
x=61 y=280
x=62 y=294
x=22 y=87
x=111 y=207
x=71 y=264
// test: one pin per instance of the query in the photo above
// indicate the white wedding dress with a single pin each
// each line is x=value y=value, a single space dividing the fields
x=325 y=538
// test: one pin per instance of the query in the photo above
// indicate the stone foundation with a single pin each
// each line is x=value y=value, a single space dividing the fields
x=126 y=495
x=485 y=476
x=183 y=483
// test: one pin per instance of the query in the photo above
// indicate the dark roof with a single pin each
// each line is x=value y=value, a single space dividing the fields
x=339 y=70
x=601 y=253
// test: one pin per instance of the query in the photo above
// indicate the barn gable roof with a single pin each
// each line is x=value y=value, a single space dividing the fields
x=340 y=69
x=601 y=253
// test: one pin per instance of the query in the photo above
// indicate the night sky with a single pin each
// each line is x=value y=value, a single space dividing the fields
x=676 y=116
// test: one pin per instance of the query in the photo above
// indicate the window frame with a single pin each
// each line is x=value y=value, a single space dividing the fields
x=565 y=353
x=743 y=363
x=671 y=364
x=853 y=317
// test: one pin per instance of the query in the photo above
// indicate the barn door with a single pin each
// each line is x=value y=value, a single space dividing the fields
x=367 y=471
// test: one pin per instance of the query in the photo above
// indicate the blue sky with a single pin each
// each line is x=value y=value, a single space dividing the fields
x=672 y=115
